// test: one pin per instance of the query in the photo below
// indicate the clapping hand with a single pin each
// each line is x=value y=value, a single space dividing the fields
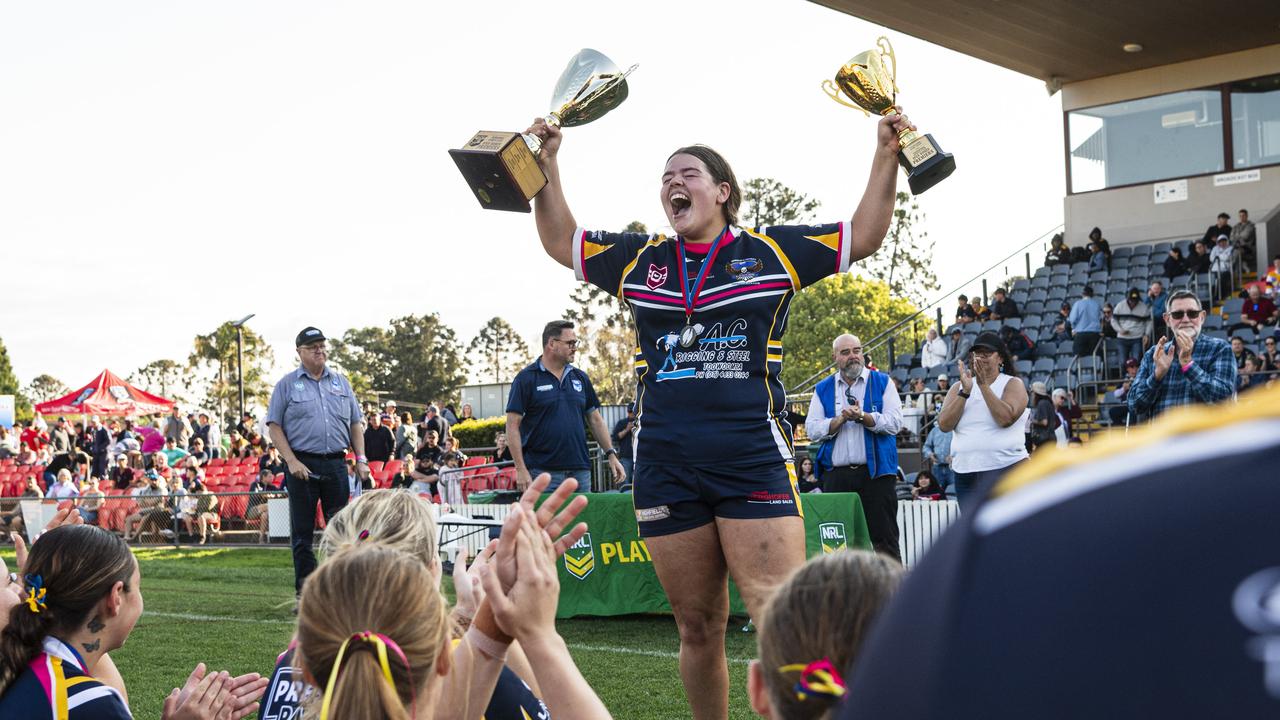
x=552 y=517
x=966 y=377
x=1163 y=358
x=527 y=608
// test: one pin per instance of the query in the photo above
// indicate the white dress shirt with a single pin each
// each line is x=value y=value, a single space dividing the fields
x=848 y=447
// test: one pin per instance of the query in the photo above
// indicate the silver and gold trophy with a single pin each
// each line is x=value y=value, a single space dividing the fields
x=874 y=89
x=502 y=167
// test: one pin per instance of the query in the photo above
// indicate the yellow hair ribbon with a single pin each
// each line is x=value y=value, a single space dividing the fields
x=366 y=636
x=36 y=593
x=819 y=678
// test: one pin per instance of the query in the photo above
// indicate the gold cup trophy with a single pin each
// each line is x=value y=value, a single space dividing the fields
x=502 y=168
x=873 y=89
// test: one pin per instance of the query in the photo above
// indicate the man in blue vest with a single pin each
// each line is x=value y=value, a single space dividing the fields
x=857 y=409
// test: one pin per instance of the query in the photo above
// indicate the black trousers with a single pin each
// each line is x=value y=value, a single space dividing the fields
x=879 y=503
x=1084 y=343
x=330 y=490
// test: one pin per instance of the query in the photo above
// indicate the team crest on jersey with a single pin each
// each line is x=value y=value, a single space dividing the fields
x=656 y=277
x=577 y=385
x=580 y=558
x=744 y=269
x=833 y=537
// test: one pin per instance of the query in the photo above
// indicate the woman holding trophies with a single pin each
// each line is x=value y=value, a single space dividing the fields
x=714 y=485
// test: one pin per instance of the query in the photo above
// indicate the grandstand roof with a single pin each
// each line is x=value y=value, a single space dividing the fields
x=1073 y=40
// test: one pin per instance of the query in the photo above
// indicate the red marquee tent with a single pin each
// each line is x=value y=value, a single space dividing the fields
x=106 y=395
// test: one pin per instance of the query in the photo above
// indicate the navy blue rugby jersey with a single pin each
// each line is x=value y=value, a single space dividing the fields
x=719 y=400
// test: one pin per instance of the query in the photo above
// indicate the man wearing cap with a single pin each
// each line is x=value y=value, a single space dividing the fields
x=858 y=410
x=379 y=441
x=1119 y=414
x=313 y=417
x=1132 y=322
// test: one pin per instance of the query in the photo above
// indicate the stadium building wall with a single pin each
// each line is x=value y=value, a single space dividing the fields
x=1129 y=214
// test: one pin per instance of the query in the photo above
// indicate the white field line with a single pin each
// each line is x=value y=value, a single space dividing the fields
x=572 y=646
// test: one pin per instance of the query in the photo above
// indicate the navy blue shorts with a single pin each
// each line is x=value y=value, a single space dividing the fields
x=670 y=499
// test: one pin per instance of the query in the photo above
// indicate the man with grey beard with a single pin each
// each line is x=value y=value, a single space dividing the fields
x=858 y=411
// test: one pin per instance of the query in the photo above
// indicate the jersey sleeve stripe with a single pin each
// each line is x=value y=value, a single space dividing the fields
x=579 y=260
x=90 y=695
x=844 y=248
x=782 y=257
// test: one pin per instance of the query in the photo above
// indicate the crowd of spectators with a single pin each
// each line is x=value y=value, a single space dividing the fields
x=162 y=463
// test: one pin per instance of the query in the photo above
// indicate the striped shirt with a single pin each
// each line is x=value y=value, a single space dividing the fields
x=1210 y=378
x=709 y=388
x=56 y=686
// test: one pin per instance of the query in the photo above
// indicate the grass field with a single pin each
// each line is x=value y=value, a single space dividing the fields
x=232 y=608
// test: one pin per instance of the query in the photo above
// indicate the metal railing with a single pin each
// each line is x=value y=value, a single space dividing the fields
x=886 y=338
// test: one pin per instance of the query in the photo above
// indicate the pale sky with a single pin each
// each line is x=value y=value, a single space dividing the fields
x=168 y=166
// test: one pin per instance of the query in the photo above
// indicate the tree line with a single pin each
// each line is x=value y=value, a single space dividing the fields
x=418 y=358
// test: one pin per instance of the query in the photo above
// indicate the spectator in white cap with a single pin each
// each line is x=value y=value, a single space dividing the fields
x=1220 y=264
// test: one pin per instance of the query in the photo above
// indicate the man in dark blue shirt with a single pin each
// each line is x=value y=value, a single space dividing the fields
x=545 y=410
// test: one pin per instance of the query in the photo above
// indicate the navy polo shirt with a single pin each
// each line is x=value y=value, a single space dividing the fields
x=552 y=432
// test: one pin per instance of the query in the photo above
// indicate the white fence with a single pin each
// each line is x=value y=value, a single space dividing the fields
x=920 y=523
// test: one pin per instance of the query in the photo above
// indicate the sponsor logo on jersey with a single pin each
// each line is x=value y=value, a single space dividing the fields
x=656 y=277
x=833 y=537
x=580 y=558
x=544 y=388
x=744 y=269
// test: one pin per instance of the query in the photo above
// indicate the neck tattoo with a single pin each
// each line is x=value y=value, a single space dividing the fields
x=95 y=625
x=91 y=647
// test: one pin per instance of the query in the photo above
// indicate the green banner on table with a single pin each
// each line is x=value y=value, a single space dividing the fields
x=609 y=572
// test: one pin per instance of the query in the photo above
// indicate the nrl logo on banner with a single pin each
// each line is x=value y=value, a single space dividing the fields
x=580 y=559
x=833 y=538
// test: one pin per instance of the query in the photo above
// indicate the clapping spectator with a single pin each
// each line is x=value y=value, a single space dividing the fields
x=933 y=351
x=272 y=461
x=1205 y=370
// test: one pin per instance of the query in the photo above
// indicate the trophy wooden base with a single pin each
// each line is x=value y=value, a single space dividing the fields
x=925 y=163
x=501 y=170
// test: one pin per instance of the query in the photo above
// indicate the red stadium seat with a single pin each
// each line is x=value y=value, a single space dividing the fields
x=216 y=463
x=477 y=460
x=506 y=479
x=376 y=465
x=393 y=466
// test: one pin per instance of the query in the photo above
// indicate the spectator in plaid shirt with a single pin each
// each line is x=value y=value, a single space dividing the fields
x=1192 y=368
